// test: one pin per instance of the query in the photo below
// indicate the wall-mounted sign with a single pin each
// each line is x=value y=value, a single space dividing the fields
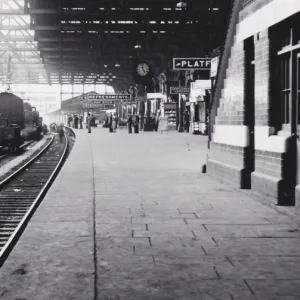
x=170 y=105
x=180 y=90
x=97 y=103
x=214 y=66
x=105 y=97
x=139 y=99
x=191 y=63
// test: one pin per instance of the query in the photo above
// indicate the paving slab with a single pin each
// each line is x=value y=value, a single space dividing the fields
x=132 y=217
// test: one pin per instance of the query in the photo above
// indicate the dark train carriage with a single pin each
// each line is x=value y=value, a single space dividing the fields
x=11 y=121
x=12 y=108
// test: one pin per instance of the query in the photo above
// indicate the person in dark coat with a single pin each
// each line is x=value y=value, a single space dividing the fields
x=69 y=121
x=76 y=119
x=187 y=121
x=136 y=122
x=153 y=121
x=110 y=120
x=129 y=123
x=81 y=121
x=61 y=132
x=89 y=120
x=114 y=122
x=105 y=121
x=93 y=121
x=73 y=125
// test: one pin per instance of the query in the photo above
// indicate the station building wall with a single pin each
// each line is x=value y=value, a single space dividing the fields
x=249 y=149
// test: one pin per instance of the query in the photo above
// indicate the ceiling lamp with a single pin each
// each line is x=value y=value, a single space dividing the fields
x=105 y=66
x=181 y=4
x=117 y=65
x=137 y=46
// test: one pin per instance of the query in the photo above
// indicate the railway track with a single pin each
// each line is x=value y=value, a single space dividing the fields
x=22 y=147
x=22 y=190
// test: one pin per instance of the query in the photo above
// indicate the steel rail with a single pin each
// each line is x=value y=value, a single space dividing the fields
x=26 y=164
x=21 y=147
x=8 y=246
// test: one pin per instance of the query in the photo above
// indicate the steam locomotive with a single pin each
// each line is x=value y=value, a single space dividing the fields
x=15 y=119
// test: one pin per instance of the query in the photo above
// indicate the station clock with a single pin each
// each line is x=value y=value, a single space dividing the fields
x=142 y=72
x=143 y=69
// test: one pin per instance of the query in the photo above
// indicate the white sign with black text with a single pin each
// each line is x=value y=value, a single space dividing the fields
x=191 y=63
x=214 y=67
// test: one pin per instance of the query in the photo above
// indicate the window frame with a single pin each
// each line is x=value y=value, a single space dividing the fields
x=287 y=50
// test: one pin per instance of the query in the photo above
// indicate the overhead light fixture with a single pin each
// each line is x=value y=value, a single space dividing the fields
x=137 y=46
x=181 y=4
x=105 y=66
x=117 y=65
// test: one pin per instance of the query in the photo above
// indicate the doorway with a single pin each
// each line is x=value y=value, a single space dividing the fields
x=249 y=102
x=297 y=134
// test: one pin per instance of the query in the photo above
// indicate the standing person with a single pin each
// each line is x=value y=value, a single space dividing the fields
x=76 y=121
x=114 y=122
x=129 y=123
x=153 y=122
x=69 y=121
x=89 y=120
x=157 y=119
x=136 y=123
x=93 y=121
x=105 y=120
x=80 y=121
x=61 y=132
x=187 y=121
x=163 y=123
x=110 y=120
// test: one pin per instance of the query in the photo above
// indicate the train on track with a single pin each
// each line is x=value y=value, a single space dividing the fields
x=18 y=121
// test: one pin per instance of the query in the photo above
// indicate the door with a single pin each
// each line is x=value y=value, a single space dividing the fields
x=298 y=128
x=249 y=102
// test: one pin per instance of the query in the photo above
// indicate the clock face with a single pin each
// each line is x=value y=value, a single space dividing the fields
x=143 y=69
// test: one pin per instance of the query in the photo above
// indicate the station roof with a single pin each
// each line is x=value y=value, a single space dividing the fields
x=93 y=42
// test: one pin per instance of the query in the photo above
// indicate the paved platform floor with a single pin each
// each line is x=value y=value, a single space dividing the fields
x=132 y=217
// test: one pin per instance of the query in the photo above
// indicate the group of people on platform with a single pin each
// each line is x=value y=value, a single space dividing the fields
x=111 y=122
x=158 y=122
x=133 y=120
x=74 y=120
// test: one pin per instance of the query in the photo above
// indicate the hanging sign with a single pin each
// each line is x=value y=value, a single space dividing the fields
x=105 y=97
x=191 y=63
x=180 y=90
x=126 y=101
x=214 y=67
x=97 y=103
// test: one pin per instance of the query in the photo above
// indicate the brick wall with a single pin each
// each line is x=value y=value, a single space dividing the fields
x=228 y=161
x=262 y=76
x=231 y=109
x=227 y=164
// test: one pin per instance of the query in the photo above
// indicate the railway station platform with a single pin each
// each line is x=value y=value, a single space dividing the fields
x=132 y=217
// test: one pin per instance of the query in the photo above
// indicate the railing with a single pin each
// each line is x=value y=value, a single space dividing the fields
x=224 y=59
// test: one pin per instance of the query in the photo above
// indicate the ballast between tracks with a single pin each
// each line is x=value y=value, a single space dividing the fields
x=21 y=226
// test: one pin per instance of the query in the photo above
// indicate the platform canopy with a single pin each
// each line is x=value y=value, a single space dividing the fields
x=84 y=41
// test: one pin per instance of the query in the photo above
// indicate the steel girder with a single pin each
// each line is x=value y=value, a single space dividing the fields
x=19 y=46
x=76 y=38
